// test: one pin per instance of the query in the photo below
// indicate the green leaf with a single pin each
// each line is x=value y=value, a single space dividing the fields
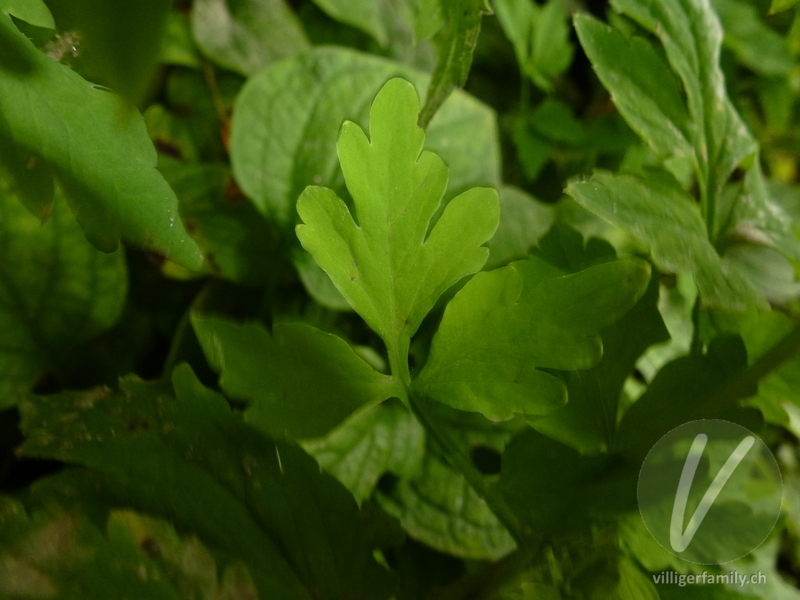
x=554 y=489
x=523 y=220
x=299 y=382
x=103 y=159
x=236 y=240
x=34 y=12
x=588 y=422
x=287 y=120
x=438 y=507
x=506 y=325
x=192 y=461
x=120 y=41
x=246 y=35
x=687 y=389
x=540 y=35
x=756 y=45
x=55 y=291
x=659 y=213
x=462 y=27
x=642 y=86
x=390 y=269
x=374 y=441
x=692 y=37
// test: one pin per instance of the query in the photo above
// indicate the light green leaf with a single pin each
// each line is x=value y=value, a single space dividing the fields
x=756 y=45
x=540 y=35
x=658 y=212
x=366 y=15
x=387 y=265
x=523 y=220
x=55 y=291
x=505 y=325
x=246 y=35
x=462 y=27
x=34 y=12
x=287 y=120
x=642 y=86
x=438 y=507
x=299 y=382
x=376 y=440
x=190 y=460
x=103 y=159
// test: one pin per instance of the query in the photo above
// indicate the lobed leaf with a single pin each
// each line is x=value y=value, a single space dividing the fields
x=506 y=325
x=190 y=460
x=298 y=381
x=387 y=265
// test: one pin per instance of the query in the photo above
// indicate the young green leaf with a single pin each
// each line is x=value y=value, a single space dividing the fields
x=189 y=459
x=659 y=213
x=246 y=35
x=505 y=325
x=386 y=264
x=299 y=382
x=463 y=25
x=102 y=158
x=55 y=291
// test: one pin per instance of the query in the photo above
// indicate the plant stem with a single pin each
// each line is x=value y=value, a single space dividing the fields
x=459 y=461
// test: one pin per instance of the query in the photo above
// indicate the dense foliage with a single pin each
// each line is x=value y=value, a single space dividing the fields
x=285 y=313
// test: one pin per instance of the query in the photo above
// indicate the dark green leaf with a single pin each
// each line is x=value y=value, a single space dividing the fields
x=523 y=220
x=299 y=382
x=103 y=159
x=55 y=291
x=189 y=459
x=540 y=35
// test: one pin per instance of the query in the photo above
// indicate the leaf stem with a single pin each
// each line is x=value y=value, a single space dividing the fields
x=459 y=461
